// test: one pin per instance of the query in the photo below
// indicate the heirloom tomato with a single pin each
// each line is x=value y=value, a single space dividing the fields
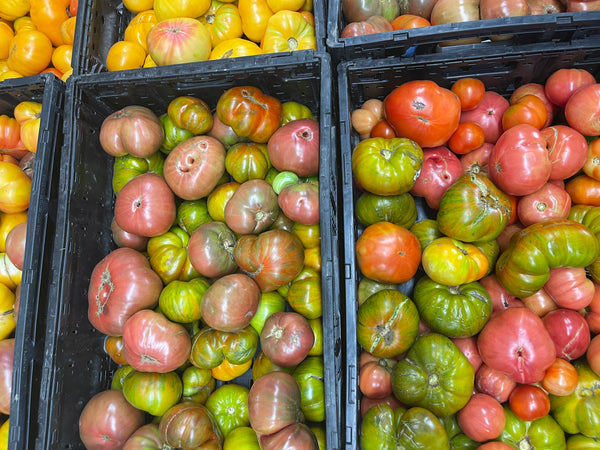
x=250 y=112
x=397 y=209
x=13 y=9
x=581 y=111
x=169 y=257
x=568 y=150
x=388 y=253
x=388 y=323
x=309 y=375
x=547 y=203
x=10 y=133
x=452 y=262
x=241 y=437
x=229 y=406
x=294 y=111
x=128 y=166
x=294 y=147
x=197 y=384
x=180 y=300
x=591 y=166
x=300 y=202
x=190 y=113
x=173 y=134
x=542 y=433
x=169 y=9
x=423 y=111
x=252 y=208
x=561 y=378
x=138 y=28
x=584 y=190
x=125 y=55
x=113 y=346
x=15 y=188
x=562 y=83
x=191 y=214
x=147 y=436
x=234 y=48
x=262 y=365
x=435 y=375
x=569 y=287
x=288 y=31
x=304 y=294
x=247 y=160
x=286 y=338
x=108 y=419
x=387 y=166
x=224 y=24
x=179 y=40
x=190 y=425
x=408 y=21
x=529 y=402
x=48 y=16
x=469 y=91
x=467 y=137
x=255 y=15
x=426 y=231
x=211 y=347
x=488 y=114
x=482 y=418
x=210 y=249
x=30 y=52
x=152 y=392
x=529 y=109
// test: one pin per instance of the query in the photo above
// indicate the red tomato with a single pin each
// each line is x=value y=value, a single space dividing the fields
x=582 y=112
x=548 y=202
x=423 y=111
x=375 y=379
x=494 y=382
x=482 y=418
x=568 y=150
x=569 y=331
x=383 y=129
x=468 y=136
x=561 y=378
x=470 y=92
x=564 y=82
x=388 y=253
x=488 y=113
x=570 y=288
x=529 y=402
x=593 y=354
x=477 y=160
x=528 y=109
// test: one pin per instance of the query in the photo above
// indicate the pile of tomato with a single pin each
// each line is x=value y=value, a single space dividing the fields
x=478 y=299
x=211 y=301
x=18 y=141
x=365 y=17
x=36 y=36
x=165 y=32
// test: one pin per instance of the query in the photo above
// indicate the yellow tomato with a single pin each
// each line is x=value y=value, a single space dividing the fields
x=171 y=9
x=15 y=188
x=312 y=258
x=136 y=6
x=48 y=16
x=125 y=55
x=30 y=131
x=307 y=6
x=13 y=9
x=7 y=319
x=10 y=275
x=7 y=223
x=6 y=34
x=227 y=371
x=3 y=66
x=30 y=52
x=67 y=30
x=280 y=5
x=24 y=23
x=288 y=31
x=4 y=435
x=149 y=62
x=139 y=27
x=27 y=110
x=7 y=75
x=224 y=24
x=65 y=76
x=234 y=48
x=255 y=15
x=61 y=57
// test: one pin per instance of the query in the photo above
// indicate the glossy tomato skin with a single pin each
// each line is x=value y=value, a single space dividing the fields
x=180 y=300
x=467 y=137
x=483 y=213
x=252 y=208
x=435 y=375
x=309 y=375
x=561 y=378
x=529 y=109
x=423 y=111
x=147 y=435
x=584 y=190
x=300 y=202
x=544 y=432
x=246 y=161
x=128 y=166
x=295 y=147
x=7 y=351
x=387 y=166
x=296 y=434
x=229 y=406
x=388 y=253
x=190 y=425
x=562 y=83
x=15 y=189
x=211 y=347
x=469 y=91
x=547 y=203
x=210 y=249
x=121 y=284
x=482 y=418
x=169 y=256
x=190 y=113
x=567 y=149
x=529 y=402
x=152 y=392
x=387 y=323
x=286 y=338
x=581 y=110
x=488 y=114
x=398 y=209
x=304 y=294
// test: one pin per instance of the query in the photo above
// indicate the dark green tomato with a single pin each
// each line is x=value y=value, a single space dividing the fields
x=491 y=250
x=377 y=429
x=180 y=300
x=198 y=384
x=191 y=214
x=128 y=166
x=173 y=134
x=581 y=442
x=262 y=365
x=241 y=438
x=294 y=111
x=271 y=174
x=388 y=323
x=399 y=209
x=367 y=287
x=426 y=231
x=309 y=374
x=454 y=311
x=229 y=406
x=473 y=209
x=247 y=161
x=590 y=217
x=543 y=433
x=119 y=376
x=152 y=392
x=320 y=432
x=458 y=440
x=304 y=294
x=419 y=428
x=387 y=166
x=579 y=412
x=169 y=256
x=270 y=302
x=523 y=268
x=211 y=347
x=435 y=374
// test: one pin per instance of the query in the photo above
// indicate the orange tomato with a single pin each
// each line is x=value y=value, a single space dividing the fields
x=233 y=48
x=529 y=109
x=65 y=76
x=467 y=137
x=227 y=371
x=61 y=57
x=255 y=15
x=288 y=31
x=10 y=132
x=591 y=167
x=224 y=24
x=67 y=30
x=172 y=9
x=137 y=30
x=73 y=7
x=584 y=190
x=8 y=158
x=469 y=91
x=7 y=223
x=30 y=52
x=15 y=188
x=125 y=55
x=54 y=71
x=6 y=34
x=409 y=21
x=27 y=110
x=280 y=5
x=13 y=9
x=137 y=6
x=48 y=16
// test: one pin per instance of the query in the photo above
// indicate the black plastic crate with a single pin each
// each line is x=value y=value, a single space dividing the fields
x=101 y=23
x=360 y=80
x=562 y=27
x=41 y=223
x=76 y=366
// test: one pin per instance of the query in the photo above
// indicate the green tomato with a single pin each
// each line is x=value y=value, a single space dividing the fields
x=543 y=433
x=152 y=392
x=198 y=384
x=241 y=438
x=309 y=375
x=169 y=256
x=173 y=134
x=270 y=302
x=291 y=111
x=398 y=209
x=191 y=214
x=119 y=376
x=180 y=300
x=229 y=406
x=128 y=166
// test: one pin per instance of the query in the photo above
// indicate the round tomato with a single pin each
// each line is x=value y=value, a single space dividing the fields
x=529 y=402
x=469 y=91
x=152 y=392
x=229 y=406
x=30 y=52
x=528 y=109
x=124 y=55
x=15 y=188
x=584 y=190
x=467 y=137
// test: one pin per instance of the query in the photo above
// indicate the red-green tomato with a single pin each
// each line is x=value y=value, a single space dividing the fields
x=180 y=300
x=152 y=392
